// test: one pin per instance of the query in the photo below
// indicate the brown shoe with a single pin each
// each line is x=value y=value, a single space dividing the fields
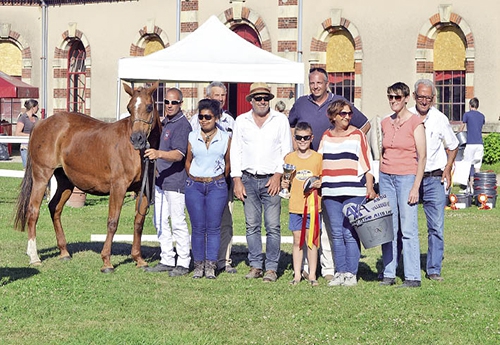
x=328 y=277
x=254 y=273
x=435 y=277
x=270 y=276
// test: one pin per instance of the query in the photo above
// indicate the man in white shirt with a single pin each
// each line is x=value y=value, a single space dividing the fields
x=217 y=90
x=261 y=139
x=442 y=148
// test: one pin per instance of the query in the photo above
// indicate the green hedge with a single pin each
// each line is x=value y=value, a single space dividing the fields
x=491 y=148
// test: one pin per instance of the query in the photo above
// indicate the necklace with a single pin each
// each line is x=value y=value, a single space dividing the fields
x=209 y=135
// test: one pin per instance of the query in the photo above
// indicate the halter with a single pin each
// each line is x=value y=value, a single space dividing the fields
x=149 y=123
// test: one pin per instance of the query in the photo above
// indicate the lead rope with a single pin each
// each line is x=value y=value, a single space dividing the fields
x=145 y=186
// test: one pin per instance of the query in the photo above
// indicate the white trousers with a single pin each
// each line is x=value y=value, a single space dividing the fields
x=170 y=223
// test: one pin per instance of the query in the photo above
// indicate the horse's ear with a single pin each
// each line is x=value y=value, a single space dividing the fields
x=153 y=87
x=128 y=89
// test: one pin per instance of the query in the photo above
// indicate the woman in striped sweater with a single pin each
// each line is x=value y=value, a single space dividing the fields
x=346 y=178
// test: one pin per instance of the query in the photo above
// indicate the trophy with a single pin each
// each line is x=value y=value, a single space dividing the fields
x=288 y=170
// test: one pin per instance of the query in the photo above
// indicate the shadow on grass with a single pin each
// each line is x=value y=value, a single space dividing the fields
x=11 y=274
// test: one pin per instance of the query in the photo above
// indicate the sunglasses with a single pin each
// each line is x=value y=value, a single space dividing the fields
x=206 y=117
x=422 y=97
x=345 y=113
x=261 y=98
x=302 y=137
x=167 y=102
x=396 y=97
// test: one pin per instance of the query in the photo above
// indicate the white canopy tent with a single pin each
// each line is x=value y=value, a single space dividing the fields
x=211 y=52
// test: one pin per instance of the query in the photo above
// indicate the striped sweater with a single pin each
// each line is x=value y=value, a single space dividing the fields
x=346 y=160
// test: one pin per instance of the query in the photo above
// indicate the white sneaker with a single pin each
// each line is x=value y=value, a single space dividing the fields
x=350 y=279
x=338 y=279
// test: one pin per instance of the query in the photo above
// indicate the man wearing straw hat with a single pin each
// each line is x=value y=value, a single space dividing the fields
x=261 y=139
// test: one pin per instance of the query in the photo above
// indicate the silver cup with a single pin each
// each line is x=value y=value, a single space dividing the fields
x=288 y=170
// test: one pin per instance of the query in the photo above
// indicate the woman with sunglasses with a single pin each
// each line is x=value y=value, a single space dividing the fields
x=401 y=171
x=346 y=178
x=207 y=165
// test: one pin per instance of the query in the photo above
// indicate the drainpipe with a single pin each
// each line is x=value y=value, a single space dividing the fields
x=299 y=88
x=43 y=98
x=178 y=26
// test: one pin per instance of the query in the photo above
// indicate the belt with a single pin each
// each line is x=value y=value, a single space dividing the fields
x=435 y=173
x=207 y=179
x=257 y=175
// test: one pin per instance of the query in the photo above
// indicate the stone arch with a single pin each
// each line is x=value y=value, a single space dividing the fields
x=150 y=29
x=424 y=57
x=60 y=67
x=244 y=15
x=14 y=37
x=319 y=48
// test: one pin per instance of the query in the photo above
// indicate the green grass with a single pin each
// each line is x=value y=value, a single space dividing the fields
x=74 y=303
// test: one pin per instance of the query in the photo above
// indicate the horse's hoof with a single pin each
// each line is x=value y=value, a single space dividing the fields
x=65 y=258
x=108 y=270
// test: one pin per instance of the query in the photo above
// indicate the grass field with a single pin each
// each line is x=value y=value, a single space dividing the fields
x=72 y=302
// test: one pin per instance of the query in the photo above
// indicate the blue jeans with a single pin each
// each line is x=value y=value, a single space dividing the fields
x=346 y=247
x=205 y=203
x=434 y=200
x=24 y=156
x=404 y=219
x=256 y=200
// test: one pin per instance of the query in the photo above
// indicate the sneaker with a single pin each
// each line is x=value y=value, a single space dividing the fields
x=387 y=281
x=159 y=268
x=179 y=271
x=328 y=277
x=436 y=277
x=254 y=273
x=199 y=269
x=410 y=284
x=337 y=280
x=230 y=269
x=270 y=276
x=350 y=279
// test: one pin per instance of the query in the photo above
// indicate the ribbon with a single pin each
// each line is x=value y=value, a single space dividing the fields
x=311 y=202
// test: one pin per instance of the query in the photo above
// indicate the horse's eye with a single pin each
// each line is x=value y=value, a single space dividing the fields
x=149 y=108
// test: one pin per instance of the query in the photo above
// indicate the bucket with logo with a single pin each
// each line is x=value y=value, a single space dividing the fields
x=372 y=220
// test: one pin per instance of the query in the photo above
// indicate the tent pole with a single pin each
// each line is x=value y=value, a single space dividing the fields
x=299 y=88
x=43 y=98
x=118 y=93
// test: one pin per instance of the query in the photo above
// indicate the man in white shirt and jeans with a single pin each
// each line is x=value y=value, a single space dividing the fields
x=261 y=139
x=439 y=136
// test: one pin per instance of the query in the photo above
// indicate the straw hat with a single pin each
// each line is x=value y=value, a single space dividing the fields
x=259 y=89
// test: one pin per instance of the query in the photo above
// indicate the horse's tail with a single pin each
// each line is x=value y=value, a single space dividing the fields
x=23 y=199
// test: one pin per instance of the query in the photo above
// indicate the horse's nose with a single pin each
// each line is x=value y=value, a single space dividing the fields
x=138 y=140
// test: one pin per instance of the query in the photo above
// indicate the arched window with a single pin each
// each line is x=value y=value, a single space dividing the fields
x=76 y=87
x=449 y=71
x=340 y=63
x=153 y=43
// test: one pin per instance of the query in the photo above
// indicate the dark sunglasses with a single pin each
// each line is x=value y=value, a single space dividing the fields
x=345 y=113
x=396 y=97
x=302 y=137
x=206 y=117
x=167 y=102
x=260 y=98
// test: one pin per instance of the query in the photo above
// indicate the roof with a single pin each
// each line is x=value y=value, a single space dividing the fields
x=11 y=87
x=55 y=2
x=200 y=58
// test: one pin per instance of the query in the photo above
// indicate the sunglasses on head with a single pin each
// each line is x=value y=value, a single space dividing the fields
x=260 y=98
x=345 y=113
x=302 y=137
x=396 y=97
x=167 y=102
x=206 y=117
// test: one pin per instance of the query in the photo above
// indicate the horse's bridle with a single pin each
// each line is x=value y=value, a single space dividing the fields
x=149 y=123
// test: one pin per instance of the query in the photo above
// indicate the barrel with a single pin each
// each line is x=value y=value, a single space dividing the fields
x=485 y=183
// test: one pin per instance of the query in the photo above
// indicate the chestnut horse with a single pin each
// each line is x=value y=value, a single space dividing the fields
x=97 y=157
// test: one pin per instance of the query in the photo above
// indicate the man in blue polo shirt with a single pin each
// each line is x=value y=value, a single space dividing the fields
x=474 y=149
x=312 y=109
x=169 y=189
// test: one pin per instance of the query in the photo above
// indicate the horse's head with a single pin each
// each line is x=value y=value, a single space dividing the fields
x=143 y=114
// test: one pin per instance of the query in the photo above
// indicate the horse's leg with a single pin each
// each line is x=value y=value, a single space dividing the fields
x=40 y=180
x=141 y=207
x=56 y=205
x=116 y=196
